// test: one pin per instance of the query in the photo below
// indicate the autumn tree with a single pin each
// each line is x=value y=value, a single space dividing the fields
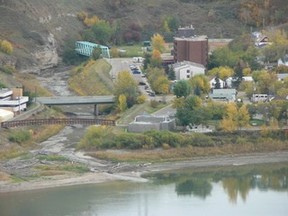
x=126 y=85
x=156 y=60
x=235 y=118
x=158 y=80
x=264 y=81
x=278 y=47
x=200 y=84
x=122 y=103
x=158 y=42
x=223 y=72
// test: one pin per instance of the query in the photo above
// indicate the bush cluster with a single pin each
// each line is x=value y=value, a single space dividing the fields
x=6 y=47
x=107 y=138
x=19 y=136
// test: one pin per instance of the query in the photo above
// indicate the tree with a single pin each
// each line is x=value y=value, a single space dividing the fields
x=158 y=80
x=122 y=103
x=102 y=32
x=278 y=47
x=182 y=88
x=243 y=117
x=200 y=84
x=223 y=72
x=97 y=53
x=161 y=85
x=192 y=112
x=235 y=118
x=171 y=73
x=156 y=60
x=158 y=42
x=126 y=85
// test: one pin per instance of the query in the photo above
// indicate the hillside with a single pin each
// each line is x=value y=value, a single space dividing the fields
x=38 y=28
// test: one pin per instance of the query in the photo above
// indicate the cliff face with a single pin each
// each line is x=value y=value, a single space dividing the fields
x=38 y=28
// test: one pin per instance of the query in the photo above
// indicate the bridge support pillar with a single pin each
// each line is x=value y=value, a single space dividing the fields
x=96 y=111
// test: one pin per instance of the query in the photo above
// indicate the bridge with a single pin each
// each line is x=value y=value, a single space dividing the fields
x=86 y=48
x=62 y=121
x=75 y=100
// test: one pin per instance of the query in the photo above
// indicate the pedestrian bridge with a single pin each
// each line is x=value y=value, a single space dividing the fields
x=86 y=48
x=61 y=121
x=77 y=100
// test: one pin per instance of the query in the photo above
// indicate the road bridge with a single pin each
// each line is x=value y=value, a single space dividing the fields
x=77 y=100
x=62 y=121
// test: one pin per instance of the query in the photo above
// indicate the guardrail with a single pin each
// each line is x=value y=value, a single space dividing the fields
x=51 y=121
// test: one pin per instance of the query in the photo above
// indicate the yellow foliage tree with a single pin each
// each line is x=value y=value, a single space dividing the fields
x=122 y=103
x=235 y=118
x=91 y=21
x=222 y=72
x=82 y=15
x=6 y=47
x=156 y=58
x=158 y=42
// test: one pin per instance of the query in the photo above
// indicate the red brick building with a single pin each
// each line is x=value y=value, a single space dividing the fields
x=194 y=49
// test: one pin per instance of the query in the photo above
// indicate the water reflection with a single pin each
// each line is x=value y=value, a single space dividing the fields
x=233 y=191
x=197 y=187
x=237 y=183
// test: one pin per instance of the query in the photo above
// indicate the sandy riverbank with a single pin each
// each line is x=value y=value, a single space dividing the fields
x=135 y=174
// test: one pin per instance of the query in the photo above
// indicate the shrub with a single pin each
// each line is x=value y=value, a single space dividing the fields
x=198 y=139
x=19 y=136
x=6 y=47
x=141 y=99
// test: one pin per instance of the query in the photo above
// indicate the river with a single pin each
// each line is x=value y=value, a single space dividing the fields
x=245 y=190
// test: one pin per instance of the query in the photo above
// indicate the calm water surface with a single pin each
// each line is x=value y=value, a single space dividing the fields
x=261 y=190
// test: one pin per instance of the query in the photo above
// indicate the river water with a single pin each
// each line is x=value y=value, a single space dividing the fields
x=253 y=190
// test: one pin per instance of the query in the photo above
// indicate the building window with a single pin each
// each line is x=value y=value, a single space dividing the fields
x=188 y=76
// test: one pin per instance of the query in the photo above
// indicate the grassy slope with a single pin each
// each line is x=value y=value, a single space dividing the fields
x=92 y=79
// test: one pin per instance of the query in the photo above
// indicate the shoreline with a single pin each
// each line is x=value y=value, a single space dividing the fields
x=134 y=175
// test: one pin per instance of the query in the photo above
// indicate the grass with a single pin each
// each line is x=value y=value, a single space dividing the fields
x=131 y=51
x=92 y=79
x=61 y=169
x=52 y=158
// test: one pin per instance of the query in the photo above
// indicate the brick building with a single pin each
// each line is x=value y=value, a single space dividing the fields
x=194 y=49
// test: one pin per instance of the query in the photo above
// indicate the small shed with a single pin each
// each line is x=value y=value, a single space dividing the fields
x=144 y=123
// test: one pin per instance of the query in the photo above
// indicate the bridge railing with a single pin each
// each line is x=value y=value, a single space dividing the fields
x=51 y=121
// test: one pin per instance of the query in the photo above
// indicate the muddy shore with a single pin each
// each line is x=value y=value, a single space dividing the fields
x=134 y=174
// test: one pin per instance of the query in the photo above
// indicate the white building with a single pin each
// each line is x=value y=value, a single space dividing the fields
x=213 y=83
x=5 y=115
x=186 y=69
x=283 y=61
x=13 y=100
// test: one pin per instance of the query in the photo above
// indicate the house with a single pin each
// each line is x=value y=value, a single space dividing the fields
x=144 y=123
x=260 y=39
x=13 y=100
x=213 y=83
x=282 y=76
x=223 y=94
x=283 y=61
x=186 y=69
